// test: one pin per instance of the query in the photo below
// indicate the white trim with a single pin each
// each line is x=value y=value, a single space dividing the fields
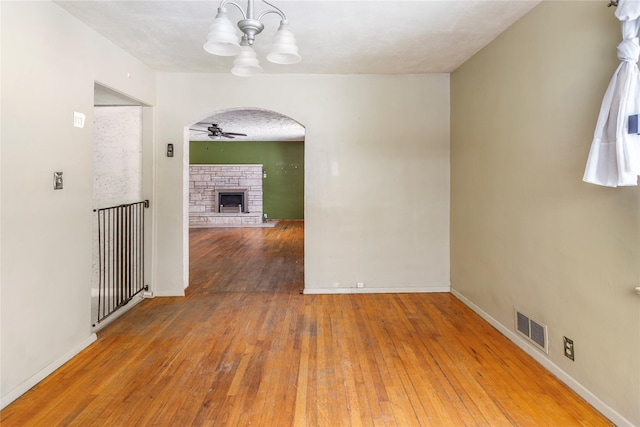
x=170 y=293
x=122 y=310
x=185 y=206
x=541 y=358
x=35 y=379
x=152 y=269
x=400 y=290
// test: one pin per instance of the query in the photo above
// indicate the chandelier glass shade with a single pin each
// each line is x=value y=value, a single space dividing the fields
x=246 y=63
x=223 y=39
x=284 y=49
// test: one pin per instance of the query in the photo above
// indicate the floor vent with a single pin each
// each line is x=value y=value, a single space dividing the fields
x=533 y=330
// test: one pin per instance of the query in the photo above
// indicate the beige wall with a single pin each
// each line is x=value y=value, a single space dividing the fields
x=383 y=219
x=526 y=232
x=49 y=65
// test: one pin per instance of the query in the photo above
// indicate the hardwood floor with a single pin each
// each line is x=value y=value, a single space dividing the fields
x=244 y=347
x=247 y=259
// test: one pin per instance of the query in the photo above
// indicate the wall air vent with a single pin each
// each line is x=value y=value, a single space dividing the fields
x=532 y=330
x=522 y=324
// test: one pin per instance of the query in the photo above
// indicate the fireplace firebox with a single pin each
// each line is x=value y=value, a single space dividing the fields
x=231 y=200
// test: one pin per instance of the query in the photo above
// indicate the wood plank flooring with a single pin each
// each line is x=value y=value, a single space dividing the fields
x=244 y=347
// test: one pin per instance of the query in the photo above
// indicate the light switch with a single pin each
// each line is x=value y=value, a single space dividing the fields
x=57 y=180
x=78 y=119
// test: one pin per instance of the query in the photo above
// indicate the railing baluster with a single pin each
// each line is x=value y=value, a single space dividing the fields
x=120 y=256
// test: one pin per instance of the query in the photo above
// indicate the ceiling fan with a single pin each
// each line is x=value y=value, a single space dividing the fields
x=215 y=131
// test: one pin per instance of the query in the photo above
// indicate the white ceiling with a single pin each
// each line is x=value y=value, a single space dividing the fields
x=257 y=123
x=334 y=36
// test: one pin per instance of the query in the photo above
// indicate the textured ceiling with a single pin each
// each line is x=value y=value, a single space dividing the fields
x=335 y=37
x=258 y=124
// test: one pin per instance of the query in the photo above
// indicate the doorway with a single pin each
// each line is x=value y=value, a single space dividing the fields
x=274 y=144
x=122 y=148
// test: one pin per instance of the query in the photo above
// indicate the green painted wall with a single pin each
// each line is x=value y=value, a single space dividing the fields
x=283 y=189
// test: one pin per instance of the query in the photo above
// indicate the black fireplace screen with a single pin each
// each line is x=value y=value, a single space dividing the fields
x=231 y=199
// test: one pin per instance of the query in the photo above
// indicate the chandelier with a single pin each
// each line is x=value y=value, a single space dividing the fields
x=223 y=39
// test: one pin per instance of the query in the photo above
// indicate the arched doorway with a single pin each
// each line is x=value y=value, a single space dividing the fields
x=246 y=172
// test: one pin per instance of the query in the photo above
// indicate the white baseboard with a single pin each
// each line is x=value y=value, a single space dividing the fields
x=32 y=381
x=602 y=407
x=171 y=293
x=109 y=293
x=122 y=310
x=400 y=290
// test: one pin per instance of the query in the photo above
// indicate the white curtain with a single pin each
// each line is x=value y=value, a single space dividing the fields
x=614 y=159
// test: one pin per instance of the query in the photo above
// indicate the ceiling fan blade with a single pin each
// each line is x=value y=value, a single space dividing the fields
x=227 y=135
x=236 y=134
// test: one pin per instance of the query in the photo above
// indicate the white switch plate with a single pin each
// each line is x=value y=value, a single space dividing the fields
x=78 y=119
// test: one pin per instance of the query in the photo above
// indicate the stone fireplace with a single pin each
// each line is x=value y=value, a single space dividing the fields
x=225 y=195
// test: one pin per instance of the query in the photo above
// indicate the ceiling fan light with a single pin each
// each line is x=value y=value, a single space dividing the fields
x=246 y=63
x=284 y=49
x=222 y=39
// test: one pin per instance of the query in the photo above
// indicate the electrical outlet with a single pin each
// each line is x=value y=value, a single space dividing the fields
x=568 y=348
x=360 y=285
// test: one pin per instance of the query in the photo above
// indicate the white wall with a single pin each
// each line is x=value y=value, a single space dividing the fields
x=117 y=156
x=376 y=164
x=526 y=232
x=50 y=63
